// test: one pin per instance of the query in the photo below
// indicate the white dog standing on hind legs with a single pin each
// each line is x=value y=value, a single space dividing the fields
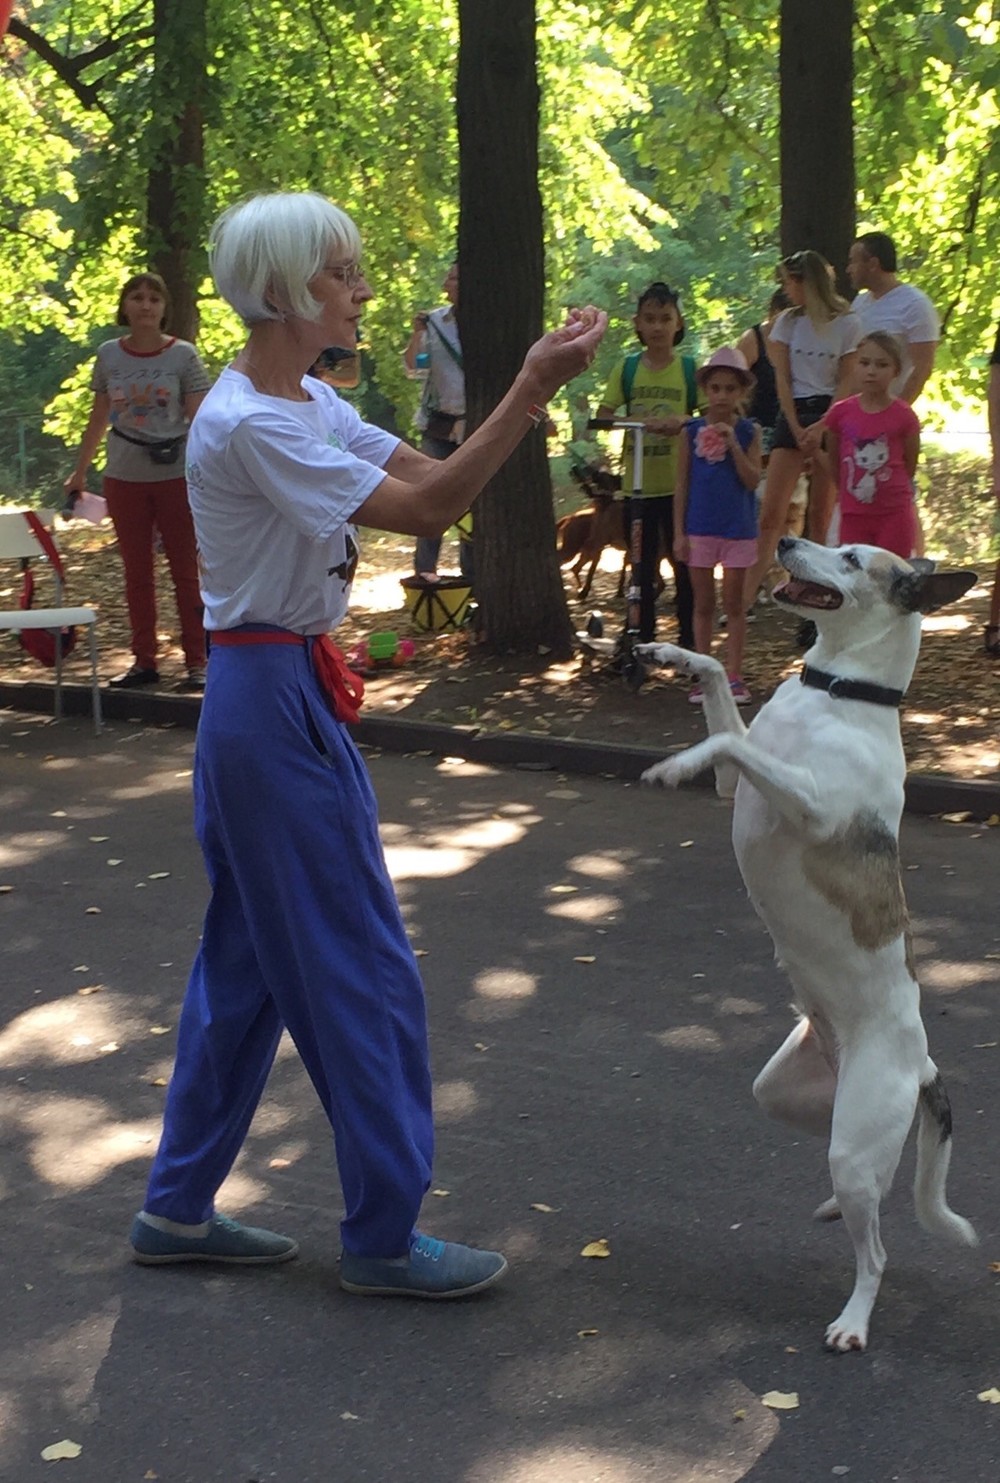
x=818 y=780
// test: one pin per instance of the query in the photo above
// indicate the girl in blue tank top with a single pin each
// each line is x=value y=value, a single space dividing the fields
x=715 y=518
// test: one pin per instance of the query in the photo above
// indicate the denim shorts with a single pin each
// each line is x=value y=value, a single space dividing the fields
x=808 y=409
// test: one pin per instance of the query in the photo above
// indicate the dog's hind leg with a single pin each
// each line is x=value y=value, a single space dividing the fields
x=933 y=1158
x=873 y=1110
x=799 y=1082
x=588 y=580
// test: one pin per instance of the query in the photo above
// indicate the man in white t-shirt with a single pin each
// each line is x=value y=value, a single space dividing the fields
x=883 y=303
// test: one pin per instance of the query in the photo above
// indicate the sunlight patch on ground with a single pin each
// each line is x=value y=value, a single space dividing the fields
x=689 y=1037
x=453 y=851
x=64 y=1033
x=22 y=849
x=505 y=983
x=945 y=623
x=601 y=867
x=73 y=1143
x=585 y=908
x=454 y=1100
x=947 y=976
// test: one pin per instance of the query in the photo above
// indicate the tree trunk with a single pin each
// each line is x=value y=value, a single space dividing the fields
x=175 y=186
x=817 y=131
x=518 y=585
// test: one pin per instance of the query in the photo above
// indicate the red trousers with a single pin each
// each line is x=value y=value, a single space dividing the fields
x=138 y=511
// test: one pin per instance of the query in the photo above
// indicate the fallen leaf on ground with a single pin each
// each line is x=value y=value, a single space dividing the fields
x=992 y=1396
x=545 y=1209
x=562 y=793
x=739 y=1416
x=480 y=1046
x=962 y=817
x=99 y=838
x=349 y=1416
x=160 y=1029
x=686 y=844
x=995 y=1266
x=421 y=952
x=159 y=875
x=114 y=862
x=280 y=1164
x=92 y=911
x=158 y=1081
x=586 y=1333
x=596 y=1248
x=442 y=1194
x=563 y=890
x=61 y=1449
x=6 y=890
x=90 y=989
x=780 y=1400
x=585 y=958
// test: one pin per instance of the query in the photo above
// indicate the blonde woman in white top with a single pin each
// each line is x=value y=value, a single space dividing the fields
x=812 y=348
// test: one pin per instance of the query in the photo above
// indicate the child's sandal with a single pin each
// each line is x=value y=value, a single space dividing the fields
x=991 y=640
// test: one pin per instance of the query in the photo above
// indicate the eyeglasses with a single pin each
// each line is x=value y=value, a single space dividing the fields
x=349 y=274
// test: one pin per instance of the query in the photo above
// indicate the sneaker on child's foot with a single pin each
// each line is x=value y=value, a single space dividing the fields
x=431 y=1269
x=739 y=691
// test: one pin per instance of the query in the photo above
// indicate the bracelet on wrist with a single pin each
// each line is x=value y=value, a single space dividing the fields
x=538 y=414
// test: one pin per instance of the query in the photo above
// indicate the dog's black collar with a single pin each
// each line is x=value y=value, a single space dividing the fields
x=843 y=689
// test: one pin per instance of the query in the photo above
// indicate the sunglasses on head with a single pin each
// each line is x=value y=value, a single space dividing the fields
x=795 y=264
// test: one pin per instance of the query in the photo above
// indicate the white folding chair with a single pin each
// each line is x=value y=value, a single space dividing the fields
x=17 y=542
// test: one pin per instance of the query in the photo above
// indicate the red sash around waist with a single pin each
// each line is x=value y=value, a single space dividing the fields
x=342 y=687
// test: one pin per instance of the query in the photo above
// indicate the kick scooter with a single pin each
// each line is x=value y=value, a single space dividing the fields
x=624 y=660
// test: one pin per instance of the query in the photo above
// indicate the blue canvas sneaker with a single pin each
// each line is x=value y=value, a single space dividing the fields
x=433 y=1269
x=224 y=1241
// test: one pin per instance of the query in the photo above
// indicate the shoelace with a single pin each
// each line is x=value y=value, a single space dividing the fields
x=429 y=1247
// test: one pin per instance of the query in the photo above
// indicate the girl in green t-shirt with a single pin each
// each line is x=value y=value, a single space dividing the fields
x=657 y=386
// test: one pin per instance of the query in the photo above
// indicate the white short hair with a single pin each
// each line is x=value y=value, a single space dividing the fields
x=266 y=250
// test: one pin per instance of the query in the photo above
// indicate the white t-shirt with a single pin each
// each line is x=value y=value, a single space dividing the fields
x=904 y=312
x=814 y=354
x=273 y=485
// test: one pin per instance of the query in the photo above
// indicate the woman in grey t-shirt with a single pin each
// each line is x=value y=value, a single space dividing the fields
x=147 y=387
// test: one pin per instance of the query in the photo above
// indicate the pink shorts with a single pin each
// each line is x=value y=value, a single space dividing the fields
x=893 y=530
x=718 y=551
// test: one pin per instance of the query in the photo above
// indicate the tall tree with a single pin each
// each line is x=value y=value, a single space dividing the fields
x=518 y=586
x=175 y=183
x=816 y=71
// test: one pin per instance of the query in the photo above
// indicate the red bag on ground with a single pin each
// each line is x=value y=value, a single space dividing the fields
x=40 y=643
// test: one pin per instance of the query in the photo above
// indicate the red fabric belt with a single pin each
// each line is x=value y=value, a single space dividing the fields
x=344 y=689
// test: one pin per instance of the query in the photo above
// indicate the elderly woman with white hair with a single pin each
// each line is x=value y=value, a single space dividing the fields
x=303 y=930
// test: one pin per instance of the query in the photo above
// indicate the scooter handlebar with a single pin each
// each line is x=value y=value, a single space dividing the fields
x=612 y=424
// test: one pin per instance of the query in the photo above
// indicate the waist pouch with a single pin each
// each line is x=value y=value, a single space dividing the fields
x=165 y=451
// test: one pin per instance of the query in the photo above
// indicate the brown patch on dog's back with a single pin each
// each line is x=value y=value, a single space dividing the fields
x=857 y=871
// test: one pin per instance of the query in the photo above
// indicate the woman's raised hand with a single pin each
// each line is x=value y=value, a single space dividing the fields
x=564 y=353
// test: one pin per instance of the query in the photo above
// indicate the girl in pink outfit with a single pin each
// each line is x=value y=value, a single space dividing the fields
x=873 y=442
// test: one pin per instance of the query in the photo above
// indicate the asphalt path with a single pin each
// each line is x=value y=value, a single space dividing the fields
x=601 y=996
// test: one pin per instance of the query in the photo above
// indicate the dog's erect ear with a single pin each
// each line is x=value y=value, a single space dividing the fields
x=926 y=591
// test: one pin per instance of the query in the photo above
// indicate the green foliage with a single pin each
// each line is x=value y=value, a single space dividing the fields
x=658 y=160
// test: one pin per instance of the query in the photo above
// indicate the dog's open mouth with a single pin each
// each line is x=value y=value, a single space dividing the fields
x=801 y=594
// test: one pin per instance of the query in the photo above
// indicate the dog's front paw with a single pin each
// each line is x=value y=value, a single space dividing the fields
x=665 y=774
x=666 y=655
x=850 y=1330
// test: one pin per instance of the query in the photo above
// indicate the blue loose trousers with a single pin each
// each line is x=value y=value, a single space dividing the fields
x=302 y=931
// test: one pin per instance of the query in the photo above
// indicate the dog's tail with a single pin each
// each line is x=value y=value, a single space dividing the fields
x=933 y=1158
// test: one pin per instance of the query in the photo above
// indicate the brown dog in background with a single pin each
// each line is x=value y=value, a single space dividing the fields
x=582 y=536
